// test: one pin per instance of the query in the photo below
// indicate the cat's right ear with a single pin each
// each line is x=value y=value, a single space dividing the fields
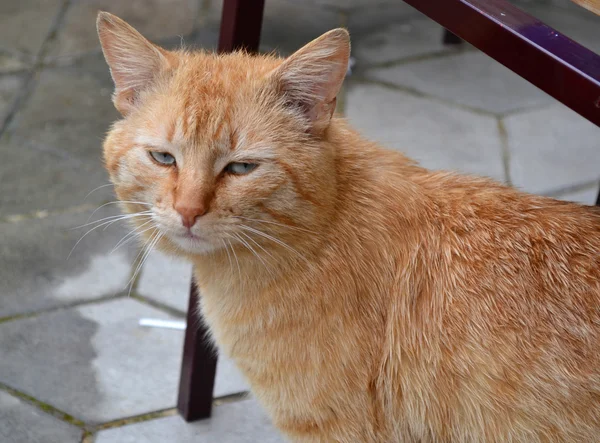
x=311 y=78
x=134 y=61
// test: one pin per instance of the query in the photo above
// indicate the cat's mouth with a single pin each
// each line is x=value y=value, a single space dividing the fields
x=191 y=236
x=192 y=242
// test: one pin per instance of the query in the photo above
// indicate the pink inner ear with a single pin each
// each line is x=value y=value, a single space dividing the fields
x=312 y=77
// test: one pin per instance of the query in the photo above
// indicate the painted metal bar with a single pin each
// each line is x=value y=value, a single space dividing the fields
x=551 y=61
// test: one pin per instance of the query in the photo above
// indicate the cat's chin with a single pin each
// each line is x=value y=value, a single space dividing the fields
x=193 y=245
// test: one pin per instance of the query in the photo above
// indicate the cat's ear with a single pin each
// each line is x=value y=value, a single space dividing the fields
x=311 y=78
x=134 y=61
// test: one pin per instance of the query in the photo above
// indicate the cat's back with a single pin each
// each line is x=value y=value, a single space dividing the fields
x=509 y=300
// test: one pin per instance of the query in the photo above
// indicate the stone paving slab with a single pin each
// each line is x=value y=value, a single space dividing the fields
x=241 y=422
x=551 y=149
x=287 y=25
x=35 y=177
x=437 y=135
x=404 y=38
x=12 y=63
x=55 y=140
x=25 y=24
x=368 y=18
x=471 y=78
x=80 y=92
x=166 y=279
x=23 y=423
x=35 y=273
x=9 y=88
x=96 y=363
x=155 y=19
x=586 y=196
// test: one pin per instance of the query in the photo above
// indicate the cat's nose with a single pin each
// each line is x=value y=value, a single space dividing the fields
x=189 y=214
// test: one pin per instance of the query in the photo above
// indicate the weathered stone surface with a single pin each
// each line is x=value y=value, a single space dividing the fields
x=77 y=93
x=471 y=78
x=24 y=423
x=94 y=362
x=365 y=20
x=166 y=280
x=241 y=422
x=287 y=26
x=408 y=38
x=11 y=63
x=551 y=149
x=55 y=140
x=155 y=19
x=585 y=196
x=35 y=273
x=40 y=177
x=437 y=135
x=9 y=88
x=25 y=24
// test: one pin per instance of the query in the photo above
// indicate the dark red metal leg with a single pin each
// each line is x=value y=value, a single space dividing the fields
x=241 y=23
x=598 y=199
x=198 y=367
x=451 y=39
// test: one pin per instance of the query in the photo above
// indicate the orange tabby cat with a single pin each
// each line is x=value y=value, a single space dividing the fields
x=365 y=298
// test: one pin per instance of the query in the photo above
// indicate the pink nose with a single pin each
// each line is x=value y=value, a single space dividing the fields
x=190 y=214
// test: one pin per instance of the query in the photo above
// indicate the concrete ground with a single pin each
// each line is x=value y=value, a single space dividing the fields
x=74 y=363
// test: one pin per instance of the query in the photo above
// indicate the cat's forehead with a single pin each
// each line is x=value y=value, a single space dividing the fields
x=205 y=105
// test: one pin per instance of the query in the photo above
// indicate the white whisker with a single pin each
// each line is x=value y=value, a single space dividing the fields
x=259 y=245
x=254 y=251
x=91 y=230
x=132 y=234
x=236 y=259
x=115 y=203
x=276 y=240
x=112 y=217
x=151 y=244
x=296 y=228
x=228 y=254
x=94 y=190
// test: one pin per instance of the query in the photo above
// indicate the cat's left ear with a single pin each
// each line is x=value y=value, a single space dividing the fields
x=134 y=62
x=311 y=78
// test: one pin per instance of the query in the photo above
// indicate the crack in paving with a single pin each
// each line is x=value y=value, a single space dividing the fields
x=45 y=407
x=420 y=94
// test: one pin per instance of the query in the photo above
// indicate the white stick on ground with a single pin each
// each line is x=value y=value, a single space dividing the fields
x=166 y=324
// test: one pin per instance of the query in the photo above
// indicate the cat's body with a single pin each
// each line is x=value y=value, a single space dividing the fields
x=365 y=298
x=435 y=307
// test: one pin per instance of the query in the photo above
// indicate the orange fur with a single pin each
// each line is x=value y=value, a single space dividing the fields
x=365 y=298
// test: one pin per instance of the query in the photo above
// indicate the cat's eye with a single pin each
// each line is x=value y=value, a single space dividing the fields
x=239 y=168
x=164 y=158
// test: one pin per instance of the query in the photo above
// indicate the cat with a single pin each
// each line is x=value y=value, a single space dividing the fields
x=365 y=298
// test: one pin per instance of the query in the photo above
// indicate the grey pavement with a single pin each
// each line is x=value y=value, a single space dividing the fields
x=75 y=366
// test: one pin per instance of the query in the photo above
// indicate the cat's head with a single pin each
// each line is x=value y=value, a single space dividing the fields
x=222 y=149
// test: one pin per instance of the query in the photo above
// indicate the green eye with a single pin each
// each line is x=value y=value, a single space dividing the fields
x=240 y=168
x=164 y=158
